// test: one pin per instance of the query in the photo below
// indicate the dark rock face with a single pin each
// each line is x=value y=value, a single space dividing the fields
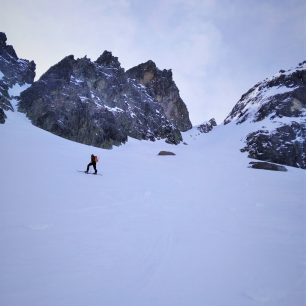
x=285 y=144
x=2 y=116
x=206 y=127
x=161 y=87
x=107 y=59
x=12 y=71
x=267 y=166
x=96 y=103
x=280 y=103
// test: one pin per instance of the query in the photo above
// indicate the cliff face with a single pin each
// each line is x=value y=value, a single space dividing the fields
x=161 y=87
x=96 y=103
x=12 y=71
x=278 y=106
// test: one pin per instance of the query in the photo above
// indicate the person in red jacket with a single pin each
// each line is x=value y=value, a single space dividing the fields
x=94 y=160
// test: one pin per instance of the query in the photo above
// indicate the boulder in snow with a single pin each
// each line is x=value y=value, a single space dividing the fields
x=164 y=153
x=267 y=166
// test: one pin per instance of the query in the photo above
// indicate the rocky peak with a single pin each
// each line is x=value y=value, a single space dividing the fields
x=145 y=72
x=107 y=59
x=282 y=95
x=2 y=39
x=95 y=103
x=161 y=87
x=149 y=65
x=6 y=51
x=276 y=110
x=12 y=71
x=148 y=72
x=61 y=70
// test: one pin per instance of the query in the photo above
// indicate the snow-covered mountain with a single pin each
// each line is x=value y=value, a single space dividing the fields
x=192 y=229
x=13 y=71
x=198 y=228
x=98 y=103
x=275 y=110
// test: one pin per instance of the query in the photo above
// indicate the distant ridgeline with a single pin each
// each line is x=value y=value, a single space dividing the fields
x=99 y=103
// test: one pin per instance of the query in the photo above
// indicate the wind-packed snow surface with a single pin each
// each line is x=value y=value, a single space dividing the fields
x=199 y=228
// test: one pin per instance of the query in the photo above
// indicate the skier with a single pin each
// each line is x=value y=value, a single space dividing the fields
x=94 y=160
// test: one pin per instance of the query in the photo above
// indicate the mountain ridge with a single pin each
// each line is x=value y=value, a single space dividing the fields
x=97 y=103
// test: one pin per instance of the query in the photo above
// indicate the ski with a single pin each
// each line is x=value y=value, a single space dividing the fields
x=92 y=173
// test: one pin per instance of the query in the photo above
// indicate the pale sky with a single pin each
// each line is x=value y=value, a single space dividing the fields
x=217 y=49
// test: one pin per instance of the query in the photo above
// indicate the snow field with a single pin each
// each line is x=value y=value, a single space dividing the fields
x=198 y=228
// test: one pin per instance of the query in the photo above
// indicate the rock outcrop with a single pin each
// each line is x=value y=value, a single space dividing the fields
x=206 y=127
x=166 y=153
x=162 y=88
x=12 y=71
x=267 y=166
x=276 y=111
x=98 y=103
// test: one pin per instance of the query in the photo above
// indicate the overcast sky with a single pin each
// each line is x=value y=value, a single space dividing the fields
x=217 y=49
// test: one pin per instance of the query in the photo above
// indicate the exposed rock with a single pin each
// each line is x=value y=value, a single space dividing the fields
x=285 y=144
x=267 y=166
x=12 y=71
x=162 y=88
x=283 y=95
x=280 y=104
x=206 y=127
x=6 y=49
x=2 y=39
x=2 y=116
x=96 y=103
x=164 y=153
x=107 y=59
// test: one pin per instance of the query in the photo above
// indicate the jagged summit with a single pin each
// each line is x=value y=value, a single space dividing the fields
x=147 y=72
x=3 y=39
x=15 y=70
x=96 y=103
x=6 y=50
x=161 y=87
x=107 y=59
x=61 y=70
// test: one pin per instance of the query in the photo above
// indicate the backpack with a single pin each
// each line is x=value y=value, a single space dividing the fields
x=96 y=158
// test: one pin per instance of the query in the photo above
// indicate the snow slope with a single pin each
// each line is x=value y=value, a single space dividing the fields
x=195 y=229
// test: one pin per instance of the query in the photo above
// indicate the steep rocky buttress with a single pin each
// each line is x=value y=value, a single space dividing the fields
x=98 y=103
x=161 y=87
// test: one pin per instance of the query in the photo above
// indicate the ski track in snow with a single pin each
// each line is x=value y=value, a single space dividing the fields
x=198 y=228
